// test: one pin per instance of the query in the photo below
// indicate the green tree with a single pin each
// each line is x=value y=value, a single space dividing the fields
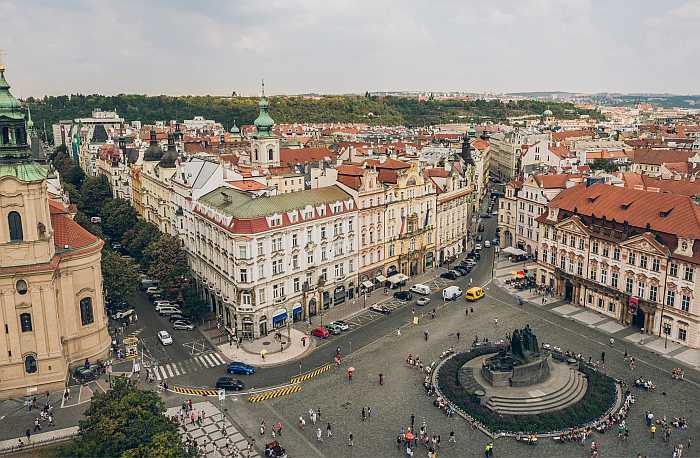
x=84 y=220
x=117 y=217
x=119 y=276
x=167 y=263
x=95 y=193
x=126 y=422
x=73 y=194
x=74 y=175
x=602 y=164
x=137 y=239
x=193 y=305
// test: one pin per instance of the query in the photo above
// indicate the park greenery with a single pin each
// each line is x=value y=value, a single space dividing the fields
x=125 y=422
x=375 y=110
x=160 y=256
x=598 y=399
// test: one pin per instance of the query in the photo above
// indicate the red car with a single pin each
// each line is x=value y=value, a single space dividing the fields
x=320 y=332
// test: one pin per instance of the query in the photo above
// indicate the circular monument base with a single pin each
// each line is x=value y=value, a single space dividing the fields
x=564 y=386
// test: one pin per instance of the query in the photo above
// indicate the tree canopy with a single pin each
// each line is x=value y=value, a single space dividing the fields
x=94 y=192
x=118 y=216
x=119 y=276
x=125 y=422
x=167 y=262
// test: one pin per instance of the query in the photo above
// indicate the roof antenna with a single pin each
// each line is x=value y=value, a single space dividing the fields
x=263 y=87
x=2 y=60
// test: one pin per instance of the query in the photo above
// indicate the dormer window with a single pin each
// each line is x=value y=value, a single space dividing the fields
x=275 y=221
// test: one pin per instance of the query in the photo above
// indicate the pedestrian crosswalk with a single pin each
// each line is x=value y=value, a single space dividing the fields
x=203 y=361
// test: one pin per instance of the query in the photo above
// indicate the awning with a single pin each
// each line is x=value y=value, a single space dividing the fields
x=279 y=316
x=367 y=284
x=397 y=278
x=380 y=278
x=297 y=308
x=513 y=251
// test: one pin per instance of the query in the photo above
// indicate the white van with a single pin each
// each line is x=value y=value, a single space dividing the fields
x=451 y=293
x=165 y=311
x=420 y=288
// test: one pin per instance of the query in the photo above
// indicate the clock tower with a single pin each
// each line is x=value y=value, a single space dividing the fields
x=265 y=146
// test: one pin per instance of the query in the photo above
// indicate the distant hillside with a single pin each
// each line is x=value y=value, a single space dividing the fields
x=372 y=110
x=661 y=100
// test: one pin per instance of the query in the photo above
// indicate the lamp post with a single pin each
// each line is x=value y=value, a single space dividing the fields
x=321 y=283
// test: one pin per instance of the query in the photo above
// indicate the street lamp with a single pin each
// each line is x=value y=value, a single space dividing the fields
x=667 y=331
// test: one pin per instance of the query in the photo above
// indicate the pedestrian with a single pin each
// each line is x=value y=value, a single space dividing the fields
x=329 y=430
x=349 y=376
x=318 y=413
x=458 y=334
x=350 y=440
x=413 y=420
x=364 y=414
x=381 y=379
x=369 y=412
x=612 y=341
x=602 y=357
x=28 y=433
x=466 y=311
x=319 y=436
x=495 y=322
x=652 y=430
x=452 y=438
x=398 y=332
x=262 y=428
x=37 y=425
x=302 y=422
x=425 y=334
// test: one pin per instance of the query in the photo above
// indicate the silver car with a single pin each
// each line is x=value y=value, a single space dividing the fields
x=183 y=325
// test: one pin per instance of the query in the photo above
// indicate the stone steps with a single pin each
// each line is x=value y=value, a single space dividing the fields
x=570 y=392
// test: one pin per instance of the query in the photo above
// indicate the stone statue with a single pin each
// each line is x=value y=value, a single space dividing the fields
x=516 y=345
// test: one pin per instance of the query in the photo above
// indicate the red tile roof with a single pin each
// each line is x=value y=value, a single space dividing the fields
x=562 y=152
x=680 y=187
x=659 y=156
x=639 y=208
x=435 y=172
x=351 y=181
x=290 y=156
x=247 y=185
x=195 y=147
x=480 y=144
x=564 y=135
x=66 y=231
x=353 y=170
x=554 y=181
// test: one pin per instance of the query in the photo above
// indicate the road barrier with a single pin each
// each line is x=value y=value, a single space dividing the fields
x=194 y=391
x=311 y=374
x=275 y=393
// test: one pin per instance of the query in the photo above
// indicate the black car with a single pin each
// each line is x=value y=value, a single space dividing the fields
x=403 y=295
x=178 y=316
x=462 y=270
x=229 y=384
x=448 y=275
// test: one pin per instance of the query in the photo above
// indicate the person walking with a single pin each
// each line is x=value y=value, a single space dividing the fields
x=37 y=425
x=319 y=435
x=329 y=430
x=381 y=379
x=652 y=430
x=302 y=422
x=364 y=414
x=458 y=334
x=602 y=357
x=318 y=413
x=350 y=440
x=425 y=334
x=452 y=438
x=612 y=341
x=28 y=433
x=369 y=412
x=413 y=420
x=398 y=332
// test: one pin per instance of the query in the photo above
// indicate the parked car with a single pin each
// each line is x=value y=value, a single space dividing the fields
x=183 y=325
x=160 y=305
x=451 y=293
x=165 y=338
x=419 y=288
x=153 y=290
x=321 y=332
x=449 y=275
x=485 y=215
x=85 y=374
x=177 y=317
x=379 y=308
x=423 y=301
x=229 y=384
x=333 y=328
x=342 y=324
x=462 y=270
x=487 y=243
x=123 y=314
x=237 y=367
x=167 y=311
x=403 y=295
x=477 y=247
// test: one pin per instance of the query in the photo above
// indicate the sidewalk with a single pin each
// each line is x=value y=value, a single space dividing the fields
x=594 y=319
x=250 y=352
x=37 y=440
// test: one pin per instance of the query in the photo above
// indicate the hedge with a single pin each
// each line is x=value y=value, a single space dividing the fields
x=599 y=397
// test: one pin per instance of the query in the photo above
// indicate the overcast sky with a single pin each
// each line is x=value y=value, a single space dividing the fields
x=339 y=46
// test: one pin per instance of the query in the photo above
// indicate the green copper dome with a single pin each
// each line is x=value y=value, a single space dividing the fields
x=235 y=129
x=264 y=122
x=9 y=105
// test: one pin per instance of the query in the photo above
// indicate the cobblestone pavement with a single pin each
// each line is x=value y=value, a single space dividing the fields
x=341 y=401
x=212 y=432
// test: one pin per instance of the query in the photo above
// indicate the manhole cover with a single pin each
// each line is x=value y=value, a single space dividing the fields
x=266 y=342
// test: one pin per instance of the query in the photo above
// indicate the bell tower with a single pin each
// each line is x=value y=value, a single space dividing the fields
x=265 y=145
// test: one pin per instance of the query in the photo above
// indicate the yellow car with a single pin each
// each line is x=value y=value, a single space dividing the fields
x=474 y=294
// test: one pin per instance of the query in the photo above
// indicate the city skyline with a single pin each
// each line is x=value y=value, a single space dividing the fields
x=581 y=46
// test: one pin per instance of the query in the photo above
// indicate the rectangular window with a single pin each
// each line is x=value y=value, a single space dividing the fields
x=579 y=268
x=544 y=255
x=261 y=270
x=562 y=262
x=604 y=276
x=86 y=316
x=244 y=276
x=688 y=274
x=655 y=265
x=297 y=285
x=391 y=249
x=616 y=254
x=611 y=306
x=323 y=254
x=572 y=244
x=351 y=265
x=564 y=239
x=671 y=298
x=673 y=269
x=606 y=250
x=245 y=298
x=277 y=267
x=580 y=244
x=629 y=285
x=600 y=302
x=324 y=274
x=323 y=232
x=277 y=244
x=261 y=251
x=594 y=274
x=613 y=279
x=309 y=260
x=631 y=258
x=25 y=321
x=685 y=303
x=243 y=251
x=641 y=289
x=682 y=334
x=653 y=290
x=643 y=261
x=594 y=247
x=295 y=241
x=295 y=261
x=261 y=296
x=309 y=235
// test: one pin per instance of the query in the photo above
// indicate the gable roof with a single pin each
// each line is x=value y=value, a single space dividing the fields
x=293 y=156
x=637 y=207
x=659 y=156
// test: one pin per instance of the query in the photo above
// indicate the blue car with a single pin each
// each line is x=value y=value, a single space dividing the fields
x=240 y=368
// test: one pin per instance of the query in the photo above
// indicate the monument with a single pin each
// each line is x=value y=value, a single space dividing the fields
x=519 y=364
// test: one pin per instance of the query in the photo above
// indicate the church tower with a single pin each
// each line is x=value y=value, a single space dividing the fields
x=265 y=146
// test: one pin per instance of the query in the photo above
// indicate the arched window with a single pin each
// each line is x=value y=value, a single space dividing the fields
x=5 y=135
x=25 y=322
x=19 y=136
x=30 y=364
x=256 y=154
x=270 y=155
x=86 y=316
x=14 y=220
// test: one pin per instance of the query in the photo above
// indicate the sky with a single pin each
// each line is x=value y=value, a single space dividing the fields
x=349 y=46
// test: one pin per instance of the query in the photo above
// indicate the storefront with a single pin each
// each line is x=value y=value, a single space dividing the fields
x=366 y=285
x=326 y=300
x=262 y=325
x=429 y=260
x=339 y=295
x=297 y=312
x=279 y=319
x=247 y=325
x=313 y=309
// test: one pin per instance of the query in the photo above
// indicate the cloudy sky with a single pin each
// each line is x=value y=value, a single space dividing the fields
x=339 y=46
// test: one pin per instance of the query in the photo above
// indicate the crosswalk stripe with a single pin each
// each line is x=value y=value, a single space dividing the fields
x=169 y=368
x=156 y=373
x=175 y=369
x=209 y=361
x=201 y=361
x=217 y=359
x=163 y=374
